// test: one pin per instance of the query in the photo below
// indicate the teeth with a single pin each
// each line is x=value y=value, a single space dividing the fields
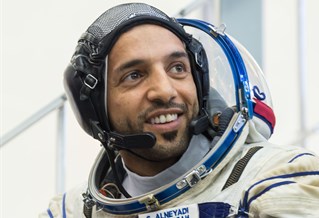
x=164 y=118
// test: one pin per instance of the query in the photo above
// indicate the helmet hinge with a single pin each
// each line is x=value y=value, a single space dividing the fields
x=194 y=177
x=240 y=121
x=150 y=202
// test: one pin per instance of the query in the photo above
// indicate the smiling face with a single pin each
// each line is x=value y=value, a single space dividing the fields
x=150 y=88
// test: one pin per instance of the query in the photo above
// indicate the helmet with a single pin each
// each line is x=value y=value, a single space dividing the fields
x=230 y=87
x=84 y=76
x=235 y=76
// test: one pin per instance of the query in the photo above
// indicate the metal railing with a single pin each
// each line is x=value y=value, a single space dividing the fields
x=57 y=104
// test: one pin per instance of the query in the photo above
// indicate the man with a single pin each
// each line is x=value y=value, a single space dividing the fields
x=179 y=139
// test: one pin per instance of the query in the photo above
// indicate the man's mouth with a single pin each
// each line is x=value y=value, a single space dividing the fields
x=164 y=118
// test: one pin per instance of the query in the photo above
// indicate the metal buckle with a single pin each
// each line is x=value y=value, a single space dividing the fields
x=88 y=200
x=89 y=79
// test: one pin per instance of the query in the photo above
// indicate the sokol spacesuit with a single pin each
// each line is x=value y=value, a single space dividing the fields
x=229 y=168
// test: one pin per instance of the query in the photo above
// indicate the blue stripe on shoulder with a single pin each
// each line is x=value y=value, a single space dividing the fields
x=267 y=189
x=299 y=155
x=245 y=204
x=63 y=206
x=50 y=213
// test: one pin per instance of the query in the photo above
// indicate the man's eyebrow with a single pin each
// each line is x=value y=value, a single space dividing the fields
x=135 y=62
x=178 y=54
x=129 y=64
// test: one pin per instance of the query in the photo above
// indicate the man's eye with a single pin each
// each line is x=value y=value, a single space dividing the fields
x=179 y=68
x=132 y=76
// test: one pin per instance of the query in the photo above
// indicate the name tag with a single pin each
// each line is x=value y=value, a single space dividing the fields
x=189 y=211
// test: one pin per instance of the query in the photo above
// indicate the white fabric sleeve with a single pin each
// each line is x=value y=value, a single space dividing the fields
x=289 y=190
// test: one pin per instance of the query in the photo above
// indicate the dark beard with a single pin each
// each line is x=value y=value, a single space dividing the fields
x=159 y=154
x=170 y=136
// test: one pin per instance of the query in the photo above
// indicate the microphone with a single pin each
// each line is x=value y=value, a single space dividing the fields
x=140 y=140
x=115 y=140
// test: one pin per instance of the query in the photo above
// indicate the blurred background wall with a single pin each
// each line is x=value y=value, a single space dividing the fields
x=38 y=38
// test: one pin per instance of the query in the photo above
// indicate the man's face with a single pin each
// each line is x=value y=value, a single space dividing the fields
x=150 y=88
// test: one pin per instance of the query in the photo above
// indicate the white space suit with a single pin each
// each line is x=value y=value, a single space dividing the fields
x=278 y=181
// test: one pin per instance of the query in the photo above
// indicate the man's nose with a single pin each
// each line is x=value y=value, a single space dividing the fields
x=161 y=87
